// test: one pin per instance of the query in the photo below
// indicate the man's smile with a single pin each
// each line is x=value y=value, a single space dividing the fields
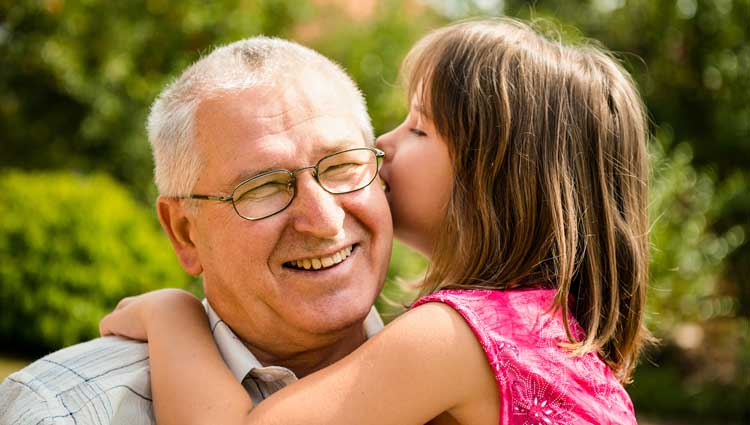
x=317 y=263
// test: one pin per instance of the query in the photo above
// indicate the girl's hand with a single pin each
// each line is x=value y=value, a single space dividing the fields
x=133 y=315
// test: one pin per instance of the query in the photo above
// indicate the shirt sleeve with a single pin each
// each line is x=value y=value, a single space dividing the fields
x=101 y=382
x=20 y=404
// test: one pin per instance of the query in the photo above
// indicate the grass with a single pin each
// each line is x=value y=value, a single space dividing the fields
x=9 y=365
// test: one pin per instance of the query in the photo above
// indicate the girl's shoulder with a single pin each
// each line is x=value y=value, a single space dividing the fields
x=518 y=319
x=522 y=334
x=516 y=308
x=532 y=296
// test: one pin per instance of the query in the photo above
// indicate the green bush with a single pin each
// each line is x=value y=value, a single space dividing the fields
x=70 y=247
x=406 y=268
x=687 y=252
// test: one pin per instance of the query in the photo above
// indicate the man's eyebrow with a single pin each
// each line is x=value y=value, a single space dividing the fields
x=248 y=174
x=333 y=147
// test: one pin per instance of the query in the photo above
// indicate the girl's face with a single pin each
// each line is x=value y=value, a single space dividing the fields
x=418 y=175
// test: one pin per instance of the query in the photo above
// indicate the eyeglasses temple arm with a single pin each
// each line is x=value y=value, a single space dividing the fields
x=209 y=197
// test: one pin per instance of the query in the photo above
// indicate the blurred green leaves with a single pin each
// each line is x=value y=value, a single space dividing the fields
x=77 y=77
x=687 y=253
x=71 y=247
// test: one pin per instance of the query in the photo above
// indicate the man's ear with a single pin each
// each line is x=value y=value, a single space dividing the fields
x=179 y=227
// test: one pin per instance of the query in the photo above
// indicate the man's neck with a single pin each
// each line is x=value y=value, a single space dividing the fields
x=306 y=361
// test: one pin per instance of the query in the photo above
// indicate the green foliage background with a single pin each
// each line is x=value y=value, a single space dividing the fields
x=77 y=78
x=70 y=247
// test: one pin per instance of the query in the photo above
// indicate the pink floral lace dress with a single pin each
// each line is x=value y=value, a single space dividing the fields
x=539 y=382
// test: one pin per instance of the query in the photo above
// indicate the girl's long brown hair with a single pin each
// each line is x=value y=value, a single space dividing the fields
x=548 y=143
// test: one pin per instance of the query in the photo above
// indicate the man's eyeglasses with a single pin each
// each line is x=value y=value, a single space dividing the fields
x=271 y=192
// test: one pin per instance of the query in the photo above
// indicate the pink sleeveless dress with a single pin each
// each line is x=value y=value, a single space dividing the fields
x=538 y=381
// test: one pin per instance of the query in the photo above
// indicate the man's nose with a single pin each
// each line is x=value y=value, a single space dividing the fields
x=314 y=211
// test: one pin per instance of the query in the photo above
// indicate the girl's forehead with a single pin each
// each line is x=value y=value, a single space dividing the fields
x=417 y=104
x=420 y=99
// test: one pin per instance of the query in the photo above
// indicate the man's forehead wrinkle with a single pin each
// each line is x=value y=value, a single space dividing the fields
x=269 y=124
x=273 y=151
x=296 y=106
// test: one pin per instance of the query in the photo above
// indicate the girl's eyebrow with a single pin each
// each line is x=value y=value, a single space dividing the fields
x=419 y=109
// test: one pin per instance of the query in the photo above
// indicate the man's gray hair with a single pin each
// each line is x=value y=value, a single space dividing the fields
x=237 y=66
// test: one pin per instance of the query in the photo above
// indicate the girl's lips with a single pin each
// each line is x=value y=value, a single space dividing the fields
x=385 y=186
x=384 y=181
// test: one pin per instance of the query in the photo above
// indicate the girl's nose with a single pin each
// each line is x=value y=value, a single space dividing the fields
x=384 y=143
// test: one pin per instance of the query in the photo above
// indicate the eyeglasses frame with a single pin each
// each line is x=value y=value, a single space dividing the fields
x=379 y=154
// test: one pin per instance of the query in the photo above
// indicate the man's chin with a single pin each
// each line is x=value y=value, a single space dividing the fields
x=333 y=322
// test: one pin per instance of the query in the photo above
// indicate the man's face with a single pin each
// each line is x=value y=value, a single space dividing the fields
x=247 y=275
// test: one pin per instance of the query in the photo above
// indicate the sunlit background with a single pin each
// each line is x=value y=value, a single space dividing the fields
x=78 y=231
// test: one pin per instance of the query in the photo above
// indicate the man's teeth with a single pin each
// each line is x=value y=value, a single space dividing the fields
x=321 y=263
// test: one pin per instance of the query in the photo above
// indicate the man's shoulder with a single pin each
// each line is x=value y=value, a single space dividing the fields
x=94 y=382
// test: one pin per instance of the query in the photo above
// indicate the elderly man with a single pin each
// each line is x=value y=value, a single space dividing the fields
x=264 y=163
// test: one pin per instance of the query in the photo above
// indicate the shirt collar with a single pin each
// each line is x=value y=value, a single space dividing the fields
x=241 y=361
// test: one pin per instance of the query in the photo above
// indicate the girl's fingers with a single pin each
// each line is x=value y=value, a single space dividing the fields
x=103 y=328
x=123 y=321
x=105 y=325
x=124 y=302
x=128 y=319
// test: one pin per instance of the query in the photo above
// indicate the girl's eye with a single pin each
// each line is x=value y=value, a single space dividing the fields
x=417 y=132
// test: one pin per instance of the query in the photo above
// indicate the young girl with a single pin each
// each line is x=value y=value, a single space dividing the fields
x=521 y=172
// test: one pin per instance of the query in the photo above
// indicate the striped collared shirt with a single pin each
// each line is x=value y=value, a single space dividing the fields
x=106 y=381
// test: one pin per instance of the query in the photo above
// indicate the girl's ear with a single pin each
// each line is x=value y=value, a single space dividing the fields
x=179 y=227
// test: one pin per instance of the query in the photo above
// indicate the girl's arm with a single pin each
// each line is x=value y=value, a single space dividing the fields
x=190 y=383
x=424 y=363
